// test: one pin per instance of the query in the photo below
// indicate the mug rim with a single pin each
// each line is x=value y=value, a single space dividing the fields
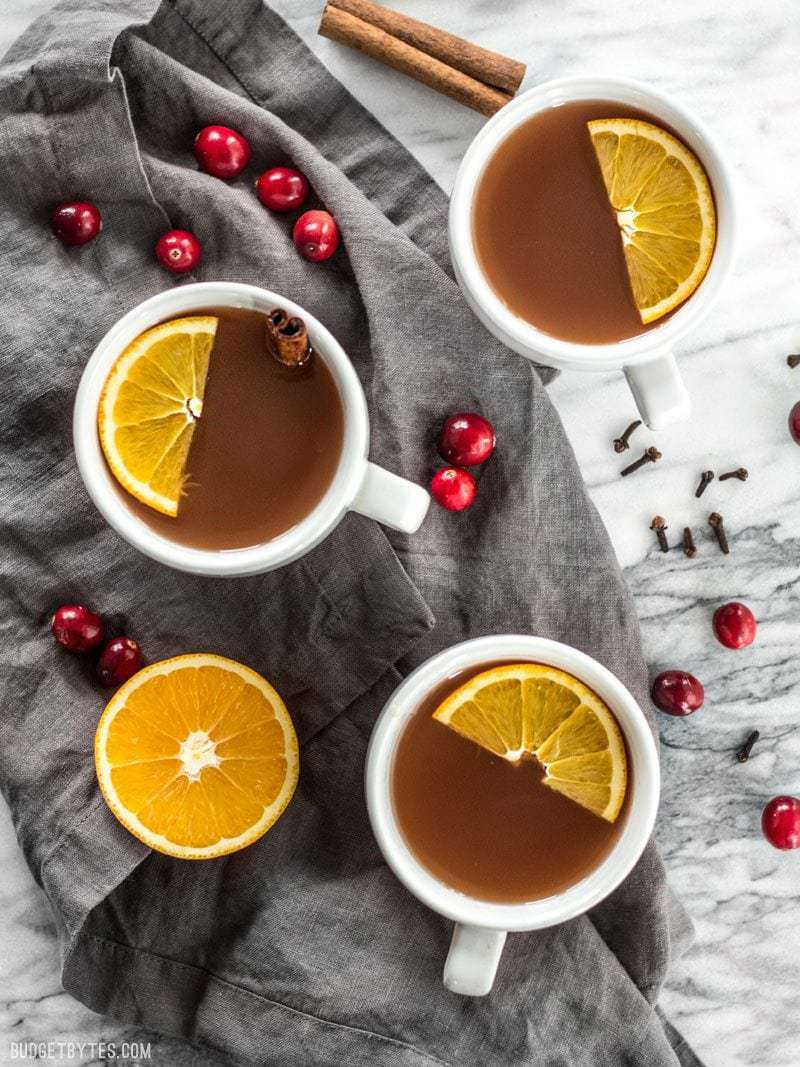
x=577 y=898
x=521 y=335
x=100 y=483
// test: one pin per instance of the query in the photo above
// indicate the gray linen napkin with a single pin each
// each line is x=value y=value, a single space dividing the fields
x=303 y=949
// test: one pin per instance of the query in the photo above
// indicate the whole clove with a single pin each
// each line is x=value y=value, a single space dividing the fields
x=706 y=478
x=715 y=522
x=621 y=444
x=793 y=360
x=743 y=755
x=659 y=525
x=741 y=473
x=651 y=455
x=689 y=546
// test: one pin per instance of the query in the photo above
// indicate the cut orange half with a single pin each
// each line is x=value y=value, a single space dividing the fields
x=664 y=209
x=531 y=708
x=149 y=406
x=196 y=756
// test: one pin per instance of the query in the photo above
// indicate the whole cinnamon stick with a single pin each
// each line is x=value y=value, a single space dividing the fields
x=341 y=26
x=485 y=66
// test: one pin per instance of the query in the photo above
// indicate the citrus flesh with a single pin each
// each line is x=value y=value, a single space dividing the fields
x=664 y=209
x=543 y=711
x=196 y=756
x=149 y=407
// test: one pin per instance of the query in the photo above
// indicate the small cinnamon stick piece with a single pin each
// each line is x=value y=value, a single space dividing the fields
x=287 y=338
x=342 y=26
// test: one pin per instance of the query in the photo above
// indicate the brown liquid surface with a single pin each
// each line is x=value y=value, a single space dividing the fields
x=544 y=231
x=484 y=826
x=264 y=451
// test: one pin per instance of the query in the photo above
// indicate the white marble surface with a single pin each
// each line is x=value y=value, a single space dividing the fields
x=734 y=995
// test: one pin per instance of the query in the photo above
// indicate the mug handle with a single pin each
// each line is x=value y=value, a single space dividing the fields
x=659 y=391
x=393 y=501
x=472 y=961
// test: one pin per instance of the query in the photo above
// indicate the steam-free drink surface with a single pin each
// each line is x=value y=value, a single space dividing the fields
x=485 y=826
x=545 y=234
x=265 y=449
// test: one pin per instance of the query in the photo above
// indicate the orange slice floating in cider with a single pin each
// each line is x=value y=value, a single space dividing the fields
x=664 y=209
x=149 y=406
x=531 y=708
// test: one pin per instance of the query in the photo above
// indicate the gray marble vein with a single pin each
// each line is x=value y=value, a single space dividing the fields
x=735 y=994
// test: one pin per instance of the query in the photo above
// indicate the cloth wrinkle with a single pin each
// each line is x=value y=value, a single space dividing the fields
x=181 y=964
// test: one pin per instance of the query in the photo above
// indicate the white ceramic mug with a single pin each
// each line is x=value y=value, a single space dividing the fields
x=357 y=485
x=647 y=360
x=481 y=926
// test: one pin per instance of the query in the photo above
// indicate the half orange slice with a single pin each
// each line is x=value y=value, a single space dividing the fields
x=150 y=405
x=664 y=209
x=532 y=708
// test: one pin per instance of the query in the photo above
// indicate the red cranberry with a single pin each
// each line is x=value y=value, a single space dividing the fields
x=222 y=152
x=466 y=439
x=780 y=822
x=316 y=235
x=77 y=628
x=794 y=423
x=178 y=251
x=120 y=659
x=76 y=223
x=735 y=625
x=282 y=189
x=454 y=489
x=677 y=693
